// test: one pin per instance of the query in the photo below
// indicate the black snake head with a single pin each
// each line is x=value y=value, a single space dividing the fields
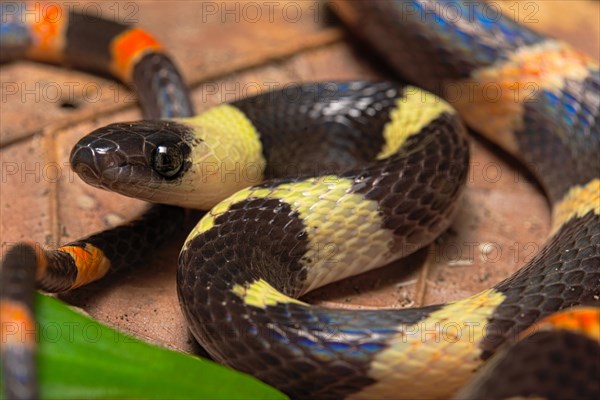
x=138 y=159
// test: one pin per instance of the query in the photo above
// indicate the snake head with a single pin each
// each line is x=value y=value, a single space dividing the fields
x=189 y=162
x=142 y=159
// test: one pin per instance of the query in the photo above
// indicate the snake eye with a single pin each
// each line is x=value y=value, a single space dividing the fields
x=167 y=160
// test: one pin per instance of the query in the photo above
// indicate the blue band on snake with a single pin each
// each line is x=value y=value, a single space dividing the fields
x=318 y=182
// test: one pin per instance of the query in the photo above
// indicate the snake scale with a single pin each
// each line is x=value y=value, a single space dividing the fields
x=374 y=168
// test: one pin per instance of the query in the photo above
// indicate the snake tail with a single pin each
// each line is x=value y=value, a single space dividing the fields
x=18 y=323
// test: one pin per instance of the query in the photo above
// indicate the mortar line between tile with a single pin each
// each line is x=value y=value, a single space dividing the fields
x=53 y=201
x=421 y=285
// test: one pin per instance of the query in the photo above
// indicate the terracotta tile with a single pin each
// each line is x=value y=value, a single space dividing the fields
x=37 y=97
x=28 y=179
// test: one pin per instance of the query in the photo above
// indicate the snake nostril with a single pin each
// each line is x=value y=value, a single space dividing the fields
x=86 y=173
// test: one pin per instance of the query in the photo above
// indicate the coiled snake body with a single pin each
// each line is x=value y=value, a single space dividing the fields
x=377 y=172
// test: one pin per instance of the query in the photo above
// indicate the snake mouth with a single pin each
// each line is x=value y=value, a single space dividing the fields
x=129 y=180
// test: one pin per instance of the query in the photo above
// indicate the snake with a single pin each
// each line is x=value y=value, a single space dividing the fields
x=374 y=171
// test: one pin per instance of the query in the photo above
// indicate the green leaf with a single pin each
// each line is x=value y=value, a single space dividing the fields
x=81 y=358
